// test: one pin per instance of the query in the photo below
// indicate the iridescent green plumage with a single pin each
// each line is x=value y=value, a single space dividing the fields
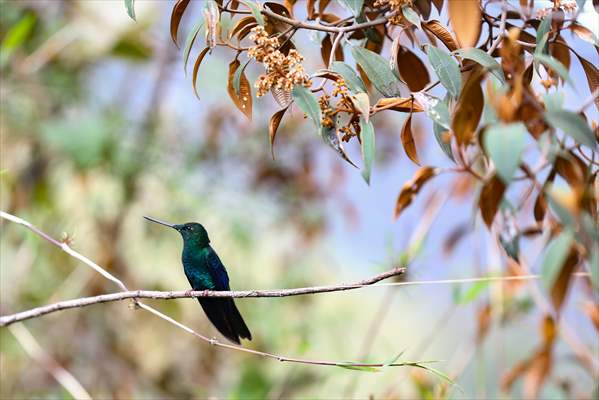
x=205 y=271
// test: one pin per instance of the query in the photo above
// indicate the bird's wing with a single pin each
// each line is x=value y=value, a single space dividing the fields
x=217 y=271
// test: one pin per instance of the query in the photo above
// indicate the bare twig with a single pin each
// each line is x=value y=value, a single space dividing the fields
x=35 y=351
x=149 y=294
x=325 y=28
x=501 y=30
x=157 y=313
x=158 y=295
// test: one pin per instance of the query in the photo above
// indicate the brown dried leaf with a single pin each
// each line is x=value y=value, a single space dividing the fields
x=562 y=282
x=469 y=110
x=245 y=30
x=411 y=188
x=424 y=7
x=273 y=25
x=325 y=51
x=273 y=126
x=437 y=29
x=289 y=5
x=583 y=33
x=438 y=5
x=280 y=9
x=561 y=52
x=411 y=69
x=196 y=68
x=407 y=139
x=572 y=169
x=540 y=208
x=242 y=23
x=244 y=100
x=322 y=5
x=592 y=74
x=310 y=9
x=177 y=14
x=465 y=18
x=490 y=198
x=403 y=104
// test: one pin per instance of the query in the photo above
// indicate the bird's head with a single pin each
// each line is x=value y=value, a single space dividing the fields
x=192 y=232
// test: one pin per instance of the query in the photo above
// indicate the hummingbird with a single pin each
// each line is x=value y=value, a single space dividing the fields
x=205 y=271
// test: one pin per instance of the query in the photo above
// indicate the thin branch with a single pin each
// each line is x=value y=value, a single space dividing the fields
x=157 y=313
x=169 y=295
x=501 y=30
x=325 y=28
x=35 y=351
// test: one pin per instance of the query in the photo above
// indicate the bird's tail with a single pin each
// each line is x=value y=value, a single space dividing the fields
x=225 y=316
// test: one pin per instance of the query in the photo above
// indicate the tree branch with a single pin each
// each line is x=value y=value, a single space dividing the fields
x=65 y=247
x=169 y=295
x=325 y=28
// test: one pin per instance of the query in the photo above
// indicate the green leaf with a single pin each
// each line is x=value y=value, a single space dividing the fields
x=555 y=256
x=237 y=76
x=16 y=36
x=543 y=35
x=594 y=267
x=362 y=368
x=472 y=293
x=439 y=113
x=191 y=37
x=436 y=372
x=354 y=5
x=411 y=16
x=306 y=101
x=483 y=59
x=130 y=8
x=378 y=71
x=255 y=8
x=438 y=130
x=352 y=80
x=505 y=143
x=572 y=124
x=367 y=146
x=446 y=69
x=554 y=64
x=554 y=101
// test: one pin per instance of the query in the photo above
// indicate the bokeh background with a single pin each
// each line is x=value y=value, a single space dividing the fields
x=99 y=126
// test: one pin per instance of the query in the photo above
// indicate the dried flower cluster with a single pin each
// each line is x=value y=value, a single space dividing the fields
x=395 y=7
x=344 y=104
x=282 y=71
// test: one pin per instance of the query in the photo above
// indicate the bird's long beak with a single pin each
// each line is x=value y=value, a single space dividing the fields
x=159 y=222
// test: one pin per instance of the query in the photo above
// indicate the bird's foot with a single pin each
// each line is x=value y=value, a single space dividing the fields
x=188 y=293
